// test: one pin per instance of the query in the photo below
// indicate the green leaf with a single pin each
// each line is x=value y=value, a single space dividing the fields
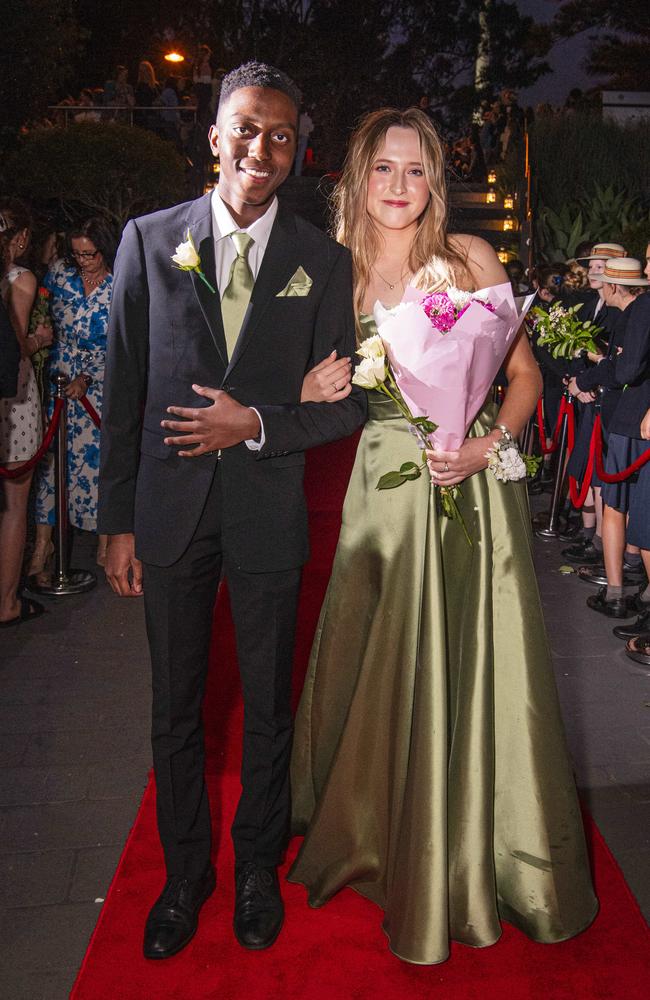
x=565 y=570
x=390 y=480
x=425 y=424
x=410 y=470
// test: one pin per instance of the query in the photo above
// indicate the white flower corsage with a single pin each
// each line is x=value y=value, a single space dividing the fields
x=505 y=461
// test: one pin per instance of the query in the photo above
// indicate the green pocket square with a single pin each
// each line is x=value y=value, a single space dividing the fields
x=299 y=284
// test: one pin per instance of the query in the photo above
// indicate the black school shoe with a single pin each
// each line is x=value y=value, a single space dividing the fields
x=583 y=553
x=572 y=532
x=617 y=607
x=641 y=625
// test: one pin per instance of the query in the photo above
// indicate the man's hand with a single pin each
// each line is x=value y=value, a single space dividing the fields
x=211 y=428
x=120 y=562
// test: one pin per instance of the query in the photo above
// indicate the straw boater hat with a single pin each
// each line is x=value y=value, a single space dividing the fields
x=623 y=271
x=604 y=251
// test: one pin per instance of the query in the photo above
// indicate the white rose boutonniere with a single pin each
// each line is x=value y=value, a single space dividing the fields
x=187 y=258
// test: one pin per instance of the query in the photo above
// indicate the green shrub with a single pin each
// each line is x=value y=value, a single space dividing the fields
x=592 y=179
x=572 y=153
x=116 y=170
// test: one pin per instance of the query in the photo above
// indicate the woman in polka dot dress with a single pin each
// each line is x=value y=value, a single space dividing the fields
x=21 y=427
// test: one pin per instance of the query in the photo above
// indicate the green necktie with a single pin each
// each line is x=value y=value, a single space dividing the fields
x=238 y=291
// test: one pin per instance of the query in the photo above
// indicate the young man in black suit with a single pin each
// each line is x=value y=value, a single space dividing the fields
x=210 y=360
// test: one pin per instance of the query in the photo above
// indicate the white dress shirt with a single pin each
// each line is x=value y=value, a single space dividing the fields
x=223 y=225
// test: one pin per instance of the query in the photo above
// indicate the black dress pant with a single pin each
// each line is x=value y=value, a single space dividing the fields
x=179 y=603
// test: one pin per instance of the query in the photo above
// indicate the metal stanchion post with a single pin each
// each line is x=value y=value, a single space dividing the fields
x=65 y=580
x=546 y=525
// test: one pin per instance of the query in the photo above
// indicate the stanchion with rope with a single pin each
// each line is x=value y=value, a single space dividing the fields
x=595 y=461
x=549 y=449
x=65 y=580
x=45 y=446
x=546 y=525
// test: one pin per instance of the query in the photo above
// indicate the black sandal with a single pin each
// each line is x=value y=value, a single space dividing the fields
x=28 y=609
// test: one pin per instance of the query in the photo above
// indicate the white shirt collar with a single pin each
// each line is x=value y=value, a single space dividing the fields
x=224 y=224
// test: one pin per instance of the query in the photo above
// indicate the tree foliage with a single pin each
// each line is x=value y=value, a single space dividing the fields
x=115 y=170
x=620 y=54
x=40 y=41
x=347 y=57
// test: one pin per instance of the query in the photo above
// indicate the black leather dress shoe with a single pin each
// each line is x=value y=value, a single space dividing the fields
x=631 y=631
x=583 y=553
x=618 y=607
x=174 y=917
x=572 y=532
x=259 y=911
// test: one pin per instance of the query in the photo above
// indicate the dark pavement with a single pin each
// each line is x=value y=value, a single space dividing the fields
x=74 y=756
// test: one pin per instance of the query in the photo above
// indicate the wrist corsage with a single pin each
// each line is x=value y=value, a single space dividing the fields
x=505 y=460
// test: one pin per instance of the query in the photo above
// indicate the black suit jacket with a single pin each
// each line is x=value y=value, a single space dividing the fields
x=633 y=370
x=165 y=333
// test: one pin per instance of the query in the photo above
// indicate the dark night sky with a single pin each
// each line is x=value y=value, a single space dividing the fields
x=566 y=59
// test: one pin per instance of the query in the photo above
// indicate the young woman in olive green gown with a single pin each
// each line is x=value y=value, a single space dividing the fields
x=429 y=769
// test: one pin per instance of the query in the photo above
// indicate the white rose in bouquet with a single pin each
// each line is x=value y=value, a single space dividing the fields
x=373 y=347
x=370 y=372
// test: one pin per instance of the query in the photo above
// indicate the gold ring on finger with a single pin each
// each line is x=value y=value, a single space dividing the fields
x=446 y=468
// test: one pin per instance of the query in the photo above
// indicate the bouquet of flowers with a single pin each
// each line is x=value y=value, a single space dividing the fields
x=40 y=315
x=436 y=356
x=562 y=332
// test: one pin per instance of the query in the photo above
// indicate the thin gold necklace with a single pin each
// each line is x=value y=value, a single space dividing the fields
x=385 y=280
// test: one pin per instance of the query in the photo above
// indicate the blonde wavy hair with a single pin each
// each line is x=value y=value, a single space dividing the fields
x=434 y=261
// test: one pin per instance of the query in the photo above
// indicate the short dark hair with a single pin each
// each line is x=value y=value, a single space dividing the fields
x=258 y=74
x=98 y=231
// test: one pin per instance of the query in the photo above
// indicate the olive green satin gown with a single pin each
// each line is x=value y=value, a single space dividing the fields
x=429 y=770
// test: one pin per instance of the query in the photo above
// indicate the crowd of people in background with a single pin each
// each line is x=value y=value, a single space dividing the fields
x=610 y=531
x=179 y=107
x=56 y=291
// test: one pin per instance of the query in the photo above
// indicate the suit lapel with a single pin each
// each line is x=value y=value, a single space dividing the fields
x=199 y=223
x=278 y=265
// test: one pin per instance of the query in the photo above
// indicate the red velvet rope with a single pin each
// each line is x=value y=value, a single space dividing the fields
x=47 y=441
x=578 y=496
x=91 y=411
x=614 y=477
x=540 y=427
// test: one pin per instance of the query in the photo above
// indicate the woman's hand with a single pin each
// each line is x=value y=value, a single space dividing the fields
x=328 y=382
x=596 y=358
x=448 y=468
x=77 y=388
x=43 y=336
x=645 y=426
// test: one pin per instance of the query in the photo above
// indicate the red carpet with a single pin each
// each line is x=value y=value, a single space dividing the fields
x=338 y=952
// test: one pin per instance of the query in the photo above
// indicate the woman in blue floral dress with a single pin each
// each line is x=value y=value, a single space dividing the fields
x=80 y=290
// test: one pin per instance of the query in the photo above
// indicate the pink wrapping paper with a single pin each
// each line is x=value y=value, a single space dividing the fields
x=447 y=377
